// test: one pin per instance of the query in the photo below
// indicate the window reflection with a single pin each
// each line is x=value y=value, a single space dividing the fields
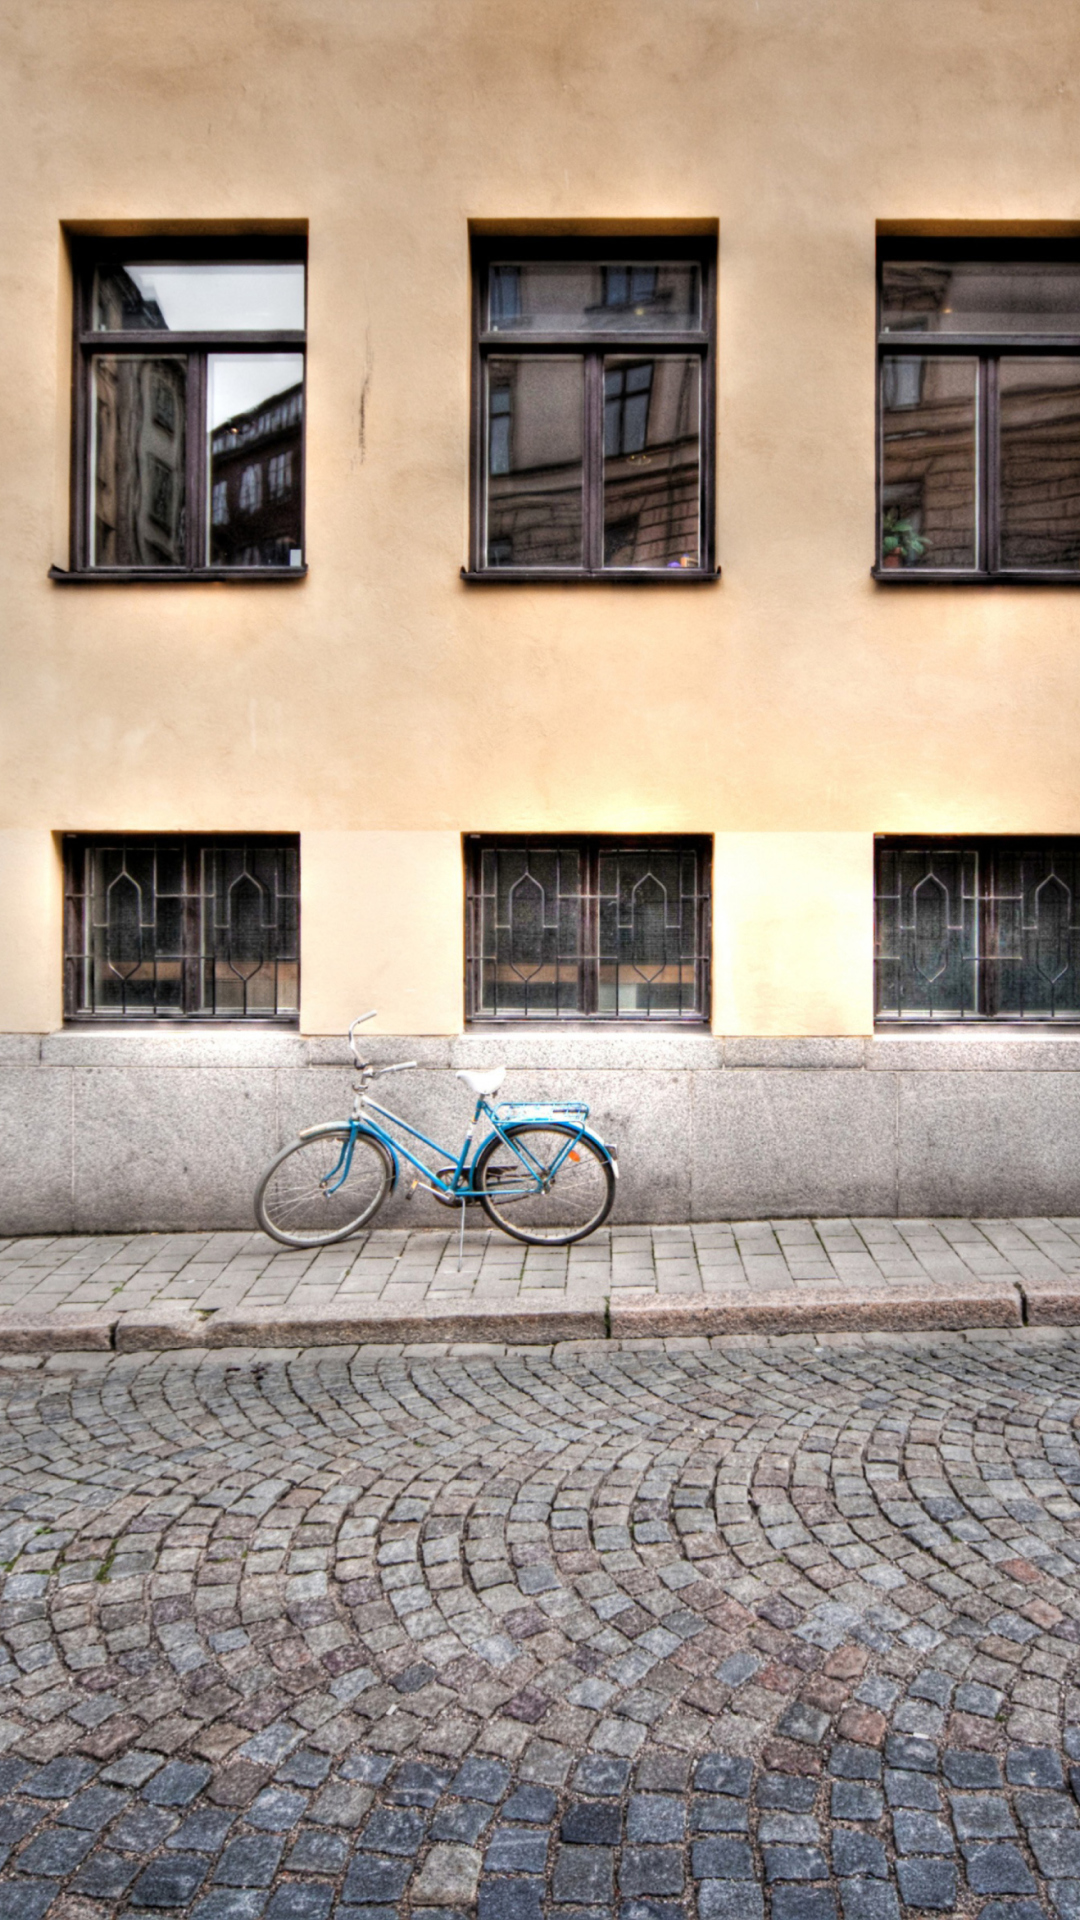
x=137 y=461
x=534 y=512
x=592 y=297
x=1040 y=462
x=652 y=461
x=255 y=406
x=973 y=296
x=200 y=297
x=928 y=467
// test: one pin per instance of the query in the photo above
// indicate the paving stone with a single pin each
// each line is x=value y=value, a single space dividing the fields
x=250 y=1861
x=928 y=1883
x=516 y=1850
x=171 y=1881
x=858 y=1853
x=592 y=1823
x=997 y=1868
x=583 y=1874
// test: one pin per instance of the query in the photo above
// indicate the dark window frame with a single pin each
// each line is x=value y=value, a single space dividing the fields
x=88 y=253
x=193 y=954
x=984 y=928
x=989 y=349
x=614 y=251
x=590 y=846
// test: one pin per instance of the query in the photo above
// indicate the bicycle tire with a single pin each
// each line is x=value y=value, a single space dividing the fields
x=292 y=1204
x=583 y=1186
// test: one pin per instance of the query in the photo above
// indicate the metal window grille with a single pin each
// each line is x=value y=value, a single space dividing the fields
x=588 y=929
x=977 y=930
x=181 y=928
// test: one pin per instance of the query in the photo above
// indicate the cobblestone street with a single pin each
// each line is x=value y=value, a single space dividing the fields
x=716 y=1630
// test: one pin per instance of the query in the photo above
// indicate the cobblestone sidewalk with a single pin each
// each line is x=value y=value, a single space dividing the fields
x=785 y=1628
x=191 y=1288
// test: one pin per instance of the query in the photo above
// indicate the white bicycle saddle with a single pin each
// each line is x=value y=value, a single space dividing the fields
x=487 y=1080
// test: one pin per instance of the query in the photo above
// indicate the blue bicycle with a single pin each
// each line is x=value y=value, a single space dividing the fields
x=539 y=1173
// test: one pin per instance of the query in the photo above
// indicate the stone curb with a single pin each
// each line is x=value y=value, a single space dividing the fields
x=1051 y=1303
x=826 y=1310
x=949 y=1307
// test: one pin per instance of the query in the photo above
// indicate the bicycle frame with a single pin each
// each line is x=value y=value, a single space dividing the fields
x=456 y=1186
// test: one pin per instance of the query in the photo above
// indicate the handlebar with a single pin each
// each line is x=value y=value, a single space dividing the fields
x=367 y=1067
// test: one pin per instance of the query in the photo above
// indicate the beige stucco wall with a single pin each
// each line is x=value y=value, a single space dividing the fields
x=31 y=887
x=382 y=927
x=382 y=695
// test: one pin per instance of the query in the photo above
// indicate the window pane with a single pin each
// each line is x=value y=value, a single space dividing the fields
x=971 y=296
x=551 y=296
x=648 y=903
x=928 y=461
x=652 y=461
x=1040 y=462
x=926 y=933
x=138 y=437
x=986 y=931
x=249 y=946
x=534 y=461
x=175 y=927
x=530 y=931
x=255 y=407
x=192 y=296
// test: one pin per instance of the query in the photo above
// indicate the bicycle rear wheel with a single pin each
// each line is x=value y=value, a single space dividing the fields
x=302 y=1200
x=530 y=1202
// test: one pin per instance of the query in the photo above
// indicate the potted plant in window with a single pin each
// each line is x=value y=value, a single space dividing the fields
x=901 y=544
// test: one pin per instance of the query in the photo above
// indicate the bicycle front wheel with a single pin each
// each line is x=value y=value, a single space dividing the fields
x=302 y=1199
x=538 y=1191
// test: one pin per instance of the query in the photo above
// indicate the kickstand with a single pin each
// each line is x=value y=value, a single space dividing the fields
x=461 y=1238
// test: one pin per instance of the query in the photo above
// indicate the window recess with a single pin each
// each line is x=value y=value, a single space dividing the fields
x=593 y=410
x=978 y=412
x=588 y=929
x=189 y=411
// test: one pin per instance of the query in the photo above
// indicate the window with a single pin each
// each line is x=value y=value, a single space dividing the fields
x=204 y=929
x=593 y=381
x=979 y=411
x=588 y=929
x=978 y=930
x=189 y=415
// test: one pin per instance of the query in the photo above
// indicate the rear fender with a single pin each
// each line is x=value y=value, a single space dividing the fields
x=606 y=1152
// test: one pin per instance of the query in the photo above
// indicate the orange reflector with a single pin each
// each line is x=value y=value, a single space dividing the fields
x=573 y=1155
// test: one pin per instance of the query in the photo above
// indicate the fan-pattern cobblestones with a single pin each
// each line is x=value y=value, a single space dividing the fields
x=783 y=1628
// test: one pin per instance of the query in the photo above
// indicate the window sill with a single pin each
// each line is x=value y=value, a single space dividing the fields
x=924 y=577
x=606 y=576
x=174 y=576
x=518 y=1023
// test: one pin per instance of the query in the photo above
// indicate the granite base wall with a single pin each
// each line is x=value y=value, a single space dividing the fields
x=108 y=1131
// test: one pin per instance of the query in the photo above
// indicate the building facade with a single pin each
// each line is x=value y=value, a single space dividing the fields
x=562 y=525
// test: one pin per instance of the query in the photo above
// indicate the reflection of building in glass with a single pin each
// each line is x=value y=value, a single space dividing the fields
x=928 y=460
x=254 y=499
x=139 y=453
x=651 y=462
x=535 y=461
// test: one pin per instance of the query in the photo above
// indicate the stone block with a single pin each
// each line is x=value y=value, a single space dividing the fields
x=778 y=1142
x=1051 y=1303
x=988 y=1143
x=808 y=1309
x=158 y=1045
x=161 y=1150
x=578 y=1049
x=796 y=1050
x=20 y=1049
x=68 y=1332
x=974 y=1050
x=35 y=1164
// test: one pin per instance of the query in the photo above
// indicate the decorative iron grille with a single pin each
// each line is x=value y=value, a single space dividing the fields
x=588 y=929
x=182 y=928
x=978 y=930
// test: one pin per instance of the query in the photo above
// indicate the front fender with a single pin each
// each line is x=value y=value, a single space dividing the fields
x=335 y=1126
